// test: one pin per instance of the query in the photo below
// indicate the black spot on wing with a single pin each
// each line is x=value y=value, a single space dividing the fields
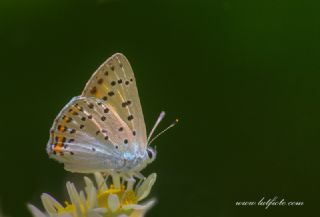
x=124 y=104
x=100 y=81
x=93 y=90
x=130 y=117
x=90 y=105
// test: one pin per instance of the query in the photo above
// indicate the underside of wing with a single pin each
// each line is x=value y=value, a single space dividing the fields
x=114 y=83
x=89 y=135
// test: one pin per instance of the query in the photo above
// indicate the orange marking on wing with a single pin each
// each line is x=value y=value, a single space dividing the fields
x=66 y=119
x=61 y=128
x=57 y=149
x=98 y=94
x=76 y=109
x=59 y=141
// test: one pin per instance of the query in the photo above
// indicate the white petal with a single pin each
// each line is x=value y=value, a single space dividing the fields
x=134 y=206
x=50 y=204
x=149 y=204
x=63 y=215
x=89 y=185
x=73 y=193
x=116 y=180
x=141 y=213
x=87 y=181
x=101 y=182
x=144 y=206
x=122 y=215
x=83 y=200
x=78 y=210
x=91 y=193
x=100 y=210
x=92 y=213
x=137 y=213
x=35 y=211
x=144 y=190
x=113 y=202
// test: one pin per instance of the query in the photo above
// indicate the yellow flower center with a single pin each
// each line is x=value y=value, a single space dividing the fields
x=70 y=208
x=125 y=197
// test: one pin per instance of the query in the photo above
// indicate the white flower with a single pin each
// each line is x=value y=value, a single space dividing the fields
x=119 y=199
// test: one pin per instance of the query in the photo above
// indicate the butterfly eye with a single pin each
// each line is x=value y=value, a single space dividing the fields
x=151 y=154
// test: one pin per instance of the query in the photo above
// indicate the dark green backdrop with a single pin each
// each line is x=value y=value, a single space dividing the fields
x=242 y=76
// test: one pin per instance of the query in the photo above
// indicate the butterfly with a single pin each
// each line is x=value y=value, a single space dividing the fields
x=103 y=129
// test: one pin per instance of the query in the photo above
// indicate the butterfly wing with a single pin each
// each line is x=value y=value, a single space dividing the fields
x=88 y=136
x=114 y=83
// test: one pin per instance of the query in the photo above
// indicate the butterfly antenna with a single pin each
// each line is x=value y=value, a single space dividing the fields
x=161 y=116
x=171 y=125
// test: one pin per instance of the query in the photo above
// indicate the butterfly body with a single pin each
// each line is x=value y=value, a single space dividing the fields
x=103 y=129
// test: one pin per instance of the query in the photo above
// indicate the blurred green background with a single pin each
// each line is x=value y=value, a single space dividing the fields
x=242 y=76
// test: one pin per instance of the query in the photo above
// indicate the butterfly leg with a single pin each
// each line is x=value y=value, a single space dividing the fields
x=139 y=175
x=130 y=184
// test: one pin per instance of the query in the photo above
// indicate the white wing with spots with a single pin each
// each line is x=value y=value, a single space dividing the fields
x=88 y=136
x=114 y=83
